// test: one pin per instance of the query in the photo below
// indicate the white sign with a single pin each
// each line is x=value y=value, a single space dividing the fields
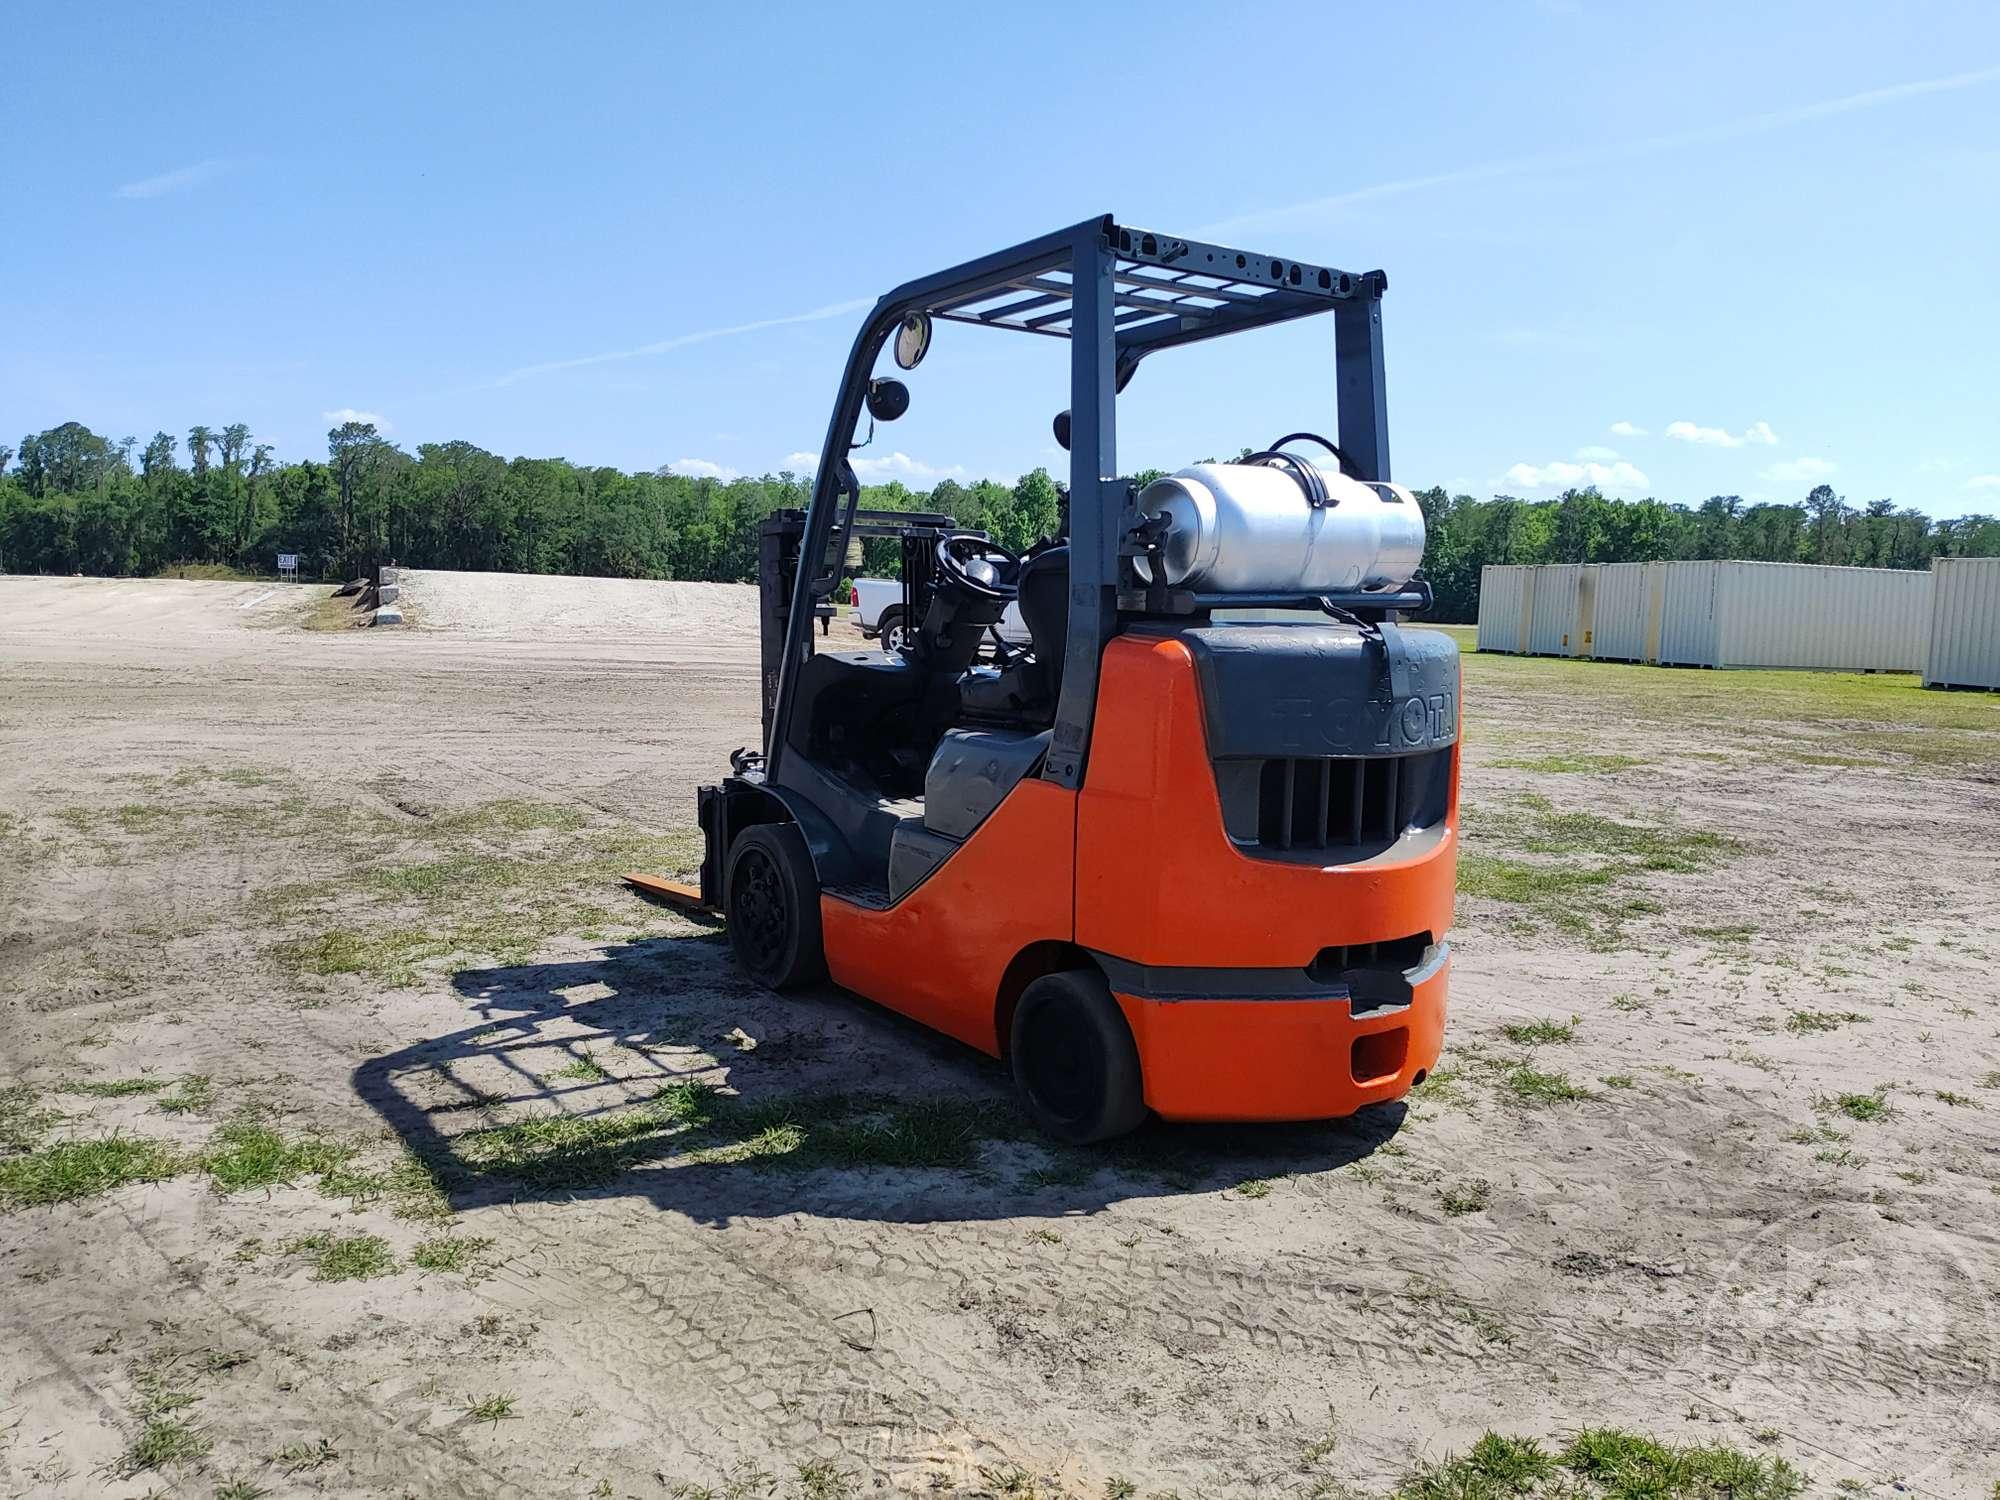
x=288 y=562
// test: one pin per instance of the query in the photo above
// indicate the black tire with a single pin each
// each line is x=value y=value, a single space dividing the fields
x=771 y=901
x=1074 y=1059
x=894 y=635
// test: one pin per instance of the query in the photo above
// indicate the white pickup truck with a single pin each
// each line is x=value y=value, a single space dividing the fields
x=878 y=613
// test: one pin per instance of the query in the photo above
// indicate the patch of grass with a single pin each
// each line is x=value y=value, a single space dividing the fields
x=1563 y=765
x=1807 y=1022
x=163 y=1441
x=1527 y=1085
x=1600 y=1464
x=348 y=1257
x=243 y=1154
x=585 y=1069
x=70 y=1170
x=1254 y=1187
x=1467 y=1197
x=23 y=1122
x=110 y=1088
x=493 y=1408
x=449 y=1252
x=194 y=1093
x=1617 y=1080
x=1871 y=1106
x=822 y=1479
x=300 y=1458
x=1116 y=1488
x=239 y=1489
x=1959 y=1101
x=1543 y=1029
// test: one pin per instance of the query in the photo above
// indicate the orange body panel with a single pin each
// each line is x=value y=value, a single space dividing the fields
x=1139 y=866
x=939 y=954
x=1228 y=1059
x=1158 y=881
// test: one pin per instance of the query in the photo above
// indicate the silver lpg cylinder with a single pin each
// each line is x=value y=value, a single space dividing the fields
x=1249 y=529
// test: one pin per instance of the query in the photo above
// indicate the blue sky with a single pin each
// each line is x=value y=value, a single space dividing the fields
x=1679 y=250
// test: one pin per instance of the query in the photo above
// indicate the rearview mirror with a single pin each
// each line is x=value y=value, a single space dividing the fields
x=888 y=399
x=1062 y=430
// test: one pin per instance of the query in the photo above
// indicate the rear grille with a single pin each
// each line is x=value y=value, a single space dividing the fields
x=1315 y=804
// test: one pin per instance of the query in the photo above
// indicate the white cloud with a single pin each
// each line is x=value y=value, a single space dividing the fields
x=1626 y=429
x=1616 y=151
x=174 y=181
x=1620 y=476
x=1597 y=452
x=1800 y=470
x=801 y=463
x=346 y=414
x=1716 y=437
x=902 y=466
x=702 y=468
x=1983 y=482
x=682 y=340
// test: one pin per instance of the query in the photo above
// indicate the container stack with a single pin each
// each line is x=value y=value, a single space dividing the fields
x=1714 y=614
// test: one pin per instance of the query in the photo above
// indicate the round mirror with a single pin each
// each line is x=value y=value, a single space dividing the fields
x=913 y=341
x=887 y=399
x=1062 y=430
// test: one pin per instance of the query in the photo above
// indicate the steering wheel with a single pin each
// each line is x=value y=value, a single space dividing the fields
x=982 y=568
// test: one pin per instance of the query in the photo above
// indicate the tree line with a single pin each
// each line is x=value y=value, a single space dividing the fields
x=72 y=501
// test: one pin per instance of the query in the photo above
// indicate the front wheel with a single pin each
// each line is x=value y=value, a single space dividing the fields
x=771 y=902
x=1074 y=1059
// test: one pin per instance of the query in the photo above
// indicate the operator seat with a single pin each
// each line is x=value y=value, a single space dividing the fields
x=1042 y=591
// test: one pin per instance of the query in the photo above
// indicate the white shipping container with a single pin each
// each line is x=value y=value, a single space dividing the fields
x=1756 y=614
x=1556 y=626
x=1627 y=604
x=1504 y=594
x=1964 y=647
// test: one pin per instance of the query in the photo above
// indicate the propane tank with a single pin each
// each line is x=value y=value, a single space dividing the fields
x=1250 y=529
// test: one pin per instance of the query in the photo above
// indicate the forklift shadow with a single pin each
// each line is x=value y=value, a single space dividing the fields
x=657 y=1071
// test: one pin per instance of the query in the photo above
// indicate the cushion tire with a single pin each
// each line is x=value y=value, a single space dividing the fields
x=771 y=902
x=1075 y=1063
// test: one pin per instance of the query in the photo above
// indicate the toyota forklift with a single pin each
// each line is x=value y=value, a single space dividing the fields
x=1191 y=851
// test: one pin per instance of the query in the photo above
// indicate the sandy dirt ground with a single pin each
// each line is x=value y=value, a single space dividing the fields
x=360 y=1135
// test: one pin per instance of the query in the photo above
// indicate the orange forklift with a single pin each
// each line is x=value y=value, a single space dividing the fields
x=1190 y=850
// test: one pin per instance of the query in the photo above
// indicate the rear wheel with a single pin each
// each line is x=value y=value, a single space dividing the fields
x=895 y=635
x=771 y=901
x=1074 y=1059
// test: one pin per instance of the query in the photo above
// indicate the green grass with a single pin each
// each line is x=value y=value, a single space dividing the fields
x=1527 y=1085
x=1467 y=1197
x=585 y=1069
x=243 y=1155
x=349 y=1257
x=1575 y=870
x=1865 y=1107
x=449 y=1253
x=23 y=1122
x=492 y=882
x=821 y=1479
x=301 y=1458
x=1807 y=1022
x=696 y=1125
x=193 y=1094
x=1543 y=1029
x=491 y=1408
x=239 y=1489
x=1254 y=1187
x=161 y=1442
x=110 y=1088
x=1601 y=1464
x=1574 y=764
x=70 y=1170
